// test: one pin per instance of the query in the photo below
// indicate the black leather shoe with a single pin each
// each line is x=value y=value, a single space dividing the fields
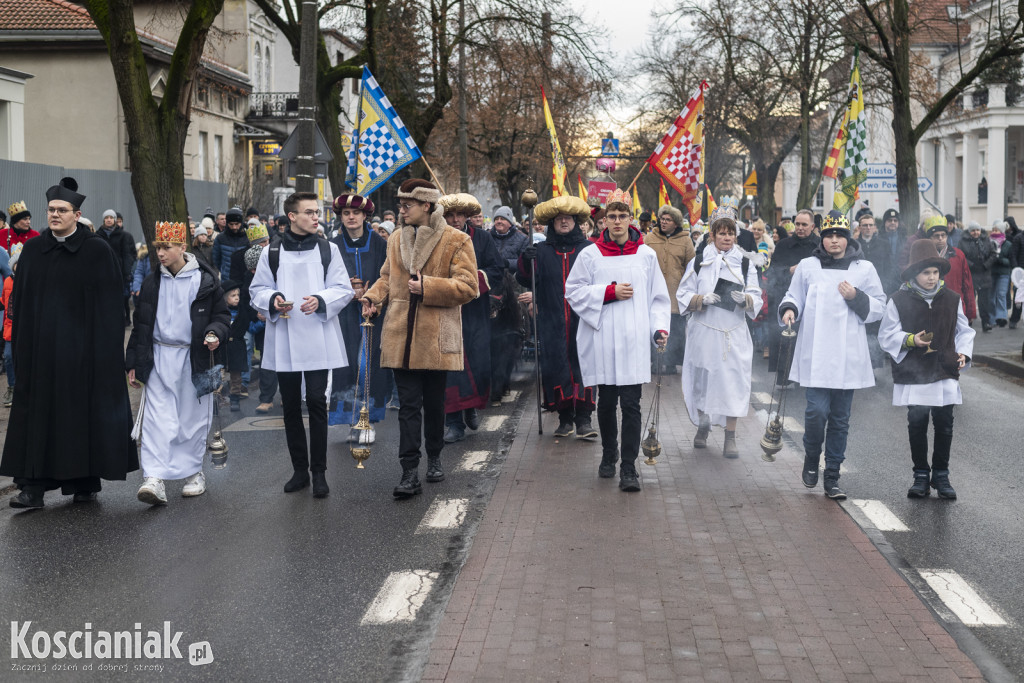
x=920 y=488
x=299 y=481
x=585 y=430
x=409 y=486
x=84 y=497
x=565 y=428
x=472 y=418
x=28 y=499
x=320 y=487
x=435 y=472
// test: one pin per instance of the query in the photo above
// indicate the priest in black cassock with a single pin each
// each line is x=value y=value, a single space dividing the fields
x=71 y=421
x=469 y=390
x=364 y=253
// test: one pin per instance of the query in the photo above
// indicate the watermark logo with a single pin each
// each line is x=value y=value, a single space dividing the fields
x=200 y=653
x=86 y=643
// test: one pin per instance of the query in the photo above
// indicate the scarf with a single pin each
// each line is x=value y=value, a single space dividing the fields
x=926 y=294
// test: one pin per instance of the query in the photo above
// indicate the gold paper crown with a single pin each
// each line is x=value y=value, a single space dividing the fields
x=16 y=208
x=620 y=196
x=933 y=221
x=835 y=223
x=170 y=233
x=256 y=233
x=726 y=209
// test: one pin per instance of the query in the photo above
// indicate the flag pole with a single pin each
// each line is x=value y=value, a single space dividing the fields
x=431 y=171
x=630 y=186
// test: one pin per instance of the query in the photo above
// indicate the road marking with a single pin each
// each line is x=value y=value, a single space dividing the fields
x=248 y=424
x=474 y=461
x=763 y=398
x=492 y=423
x=880 y=515
x=400 y=598
x=789 y=424
x=512 y=396
x=958 y=596
x=444 y=513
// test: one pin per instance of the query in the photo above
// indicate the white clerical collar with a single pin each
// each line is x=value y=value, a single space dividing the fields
x=65 y=237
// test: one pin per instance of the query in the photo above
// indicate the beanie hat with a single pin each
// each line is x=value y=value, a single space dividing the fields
x=252 y=211
x=109 y=213
x=252 y=256
x=201 y=230
x=389 y=226
x=207 y=223
x=234 y=215
x=923 y=254
x=209 y=213
x=506 y=213
x=890 y=213
x=229 y=285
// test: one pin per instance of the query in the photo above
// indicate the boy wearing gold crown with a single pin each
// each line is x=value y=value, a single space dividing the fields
x=180 y=318
x=834 y=294
x=617 y=289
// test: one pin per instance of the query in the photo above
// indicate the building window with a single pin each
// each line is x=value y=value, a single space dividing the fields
x=201 y=158
x=268 y=81
x=218 y=150
x=819 y=197
x=257 y=68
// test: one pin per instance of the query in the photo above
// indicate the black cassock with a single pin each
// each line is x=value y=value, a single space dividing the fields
x=71 y=421
x=557 y=323
x=363 y=259
x=471 y=388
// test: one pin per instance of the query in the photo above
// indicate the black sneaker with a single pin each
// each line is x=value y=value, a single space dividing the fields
x=940 y=482
x=585 y=430
x=607 y=468
x=809 y=475
x=565 y=428
x=832 y=489
x=920 y=488
x=629 y=481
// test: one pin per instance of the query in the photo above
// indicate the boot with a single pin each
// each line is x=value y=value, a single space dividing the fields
x=565 y=428
x=920 y=487
x=435 y=472
x=299 y=481
x=810 y=471
x=472 y=417
x=607 y=468
x=320 y=487
x=409 y=486
x=940 y=482
x=832 y=489
x=28 y=498
x=700 y=439
x=629 y=482
x=730 y=450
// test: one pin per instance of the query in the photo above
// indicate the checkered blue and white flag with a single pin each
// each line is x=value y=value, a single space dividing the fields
x=381 y=145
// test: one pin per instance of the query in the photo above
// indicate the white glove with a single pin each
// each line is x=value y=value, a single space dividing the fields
x=710 y=299
x=739 y=297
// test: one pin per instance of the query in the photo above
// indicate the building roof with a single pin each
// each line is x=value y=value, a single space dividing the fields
x=44 y=15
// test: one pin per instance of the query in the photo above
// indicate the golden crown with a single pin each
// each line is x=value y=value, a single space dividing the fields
x=171 y=233
x=835 y=223
x=16 y=208
x=256 y=233
x=936 y=220
x=727 y=208
x=620 y=196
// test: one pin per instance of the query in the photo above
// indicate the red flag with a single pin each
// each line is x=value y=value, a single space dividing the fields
x=679 y=157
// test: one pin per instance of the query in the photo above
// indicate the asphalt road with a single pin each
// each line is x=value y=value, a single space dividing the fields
x=278 y=584
x=980 y=536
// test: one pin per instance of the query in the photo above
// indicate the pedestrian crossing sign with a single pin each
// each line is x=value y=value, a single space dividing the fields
x=610 y=147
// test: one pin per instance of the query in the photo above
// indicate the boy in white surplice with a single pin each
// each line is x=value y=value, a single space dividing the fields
x=304 y=275
x=617 y=289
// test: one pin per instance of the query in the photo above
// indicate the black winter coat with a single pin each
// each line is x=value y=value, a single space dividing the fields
x=981 y=253
x=209 y=313
x=123 y=246
x=879 y=252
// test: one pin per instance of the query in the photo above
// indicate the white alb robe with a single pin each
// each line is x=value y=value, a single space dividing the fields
x=174 y=422
x=943 y=392
x=614 y=339
x=832 y=345
x=719 y=351
x=302 y=342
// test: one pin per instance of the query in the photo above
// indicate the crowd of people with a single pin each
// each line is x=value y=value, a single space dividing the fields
x=283 y=301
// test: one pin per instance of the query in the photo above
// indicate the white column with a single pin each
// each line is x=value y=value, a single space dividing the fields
x=945 y=180
x=970 y=173
x=996 y=174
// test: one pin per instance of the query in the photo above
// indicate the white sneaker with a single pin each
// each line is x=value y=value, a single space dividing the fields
x=152 y=491
x=195 y=485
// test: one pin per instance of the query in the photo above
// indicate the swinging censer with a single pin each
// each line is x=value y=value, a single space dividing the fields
x=217 y=446
x=360 y=447
x=650 y=445
x=771 y=442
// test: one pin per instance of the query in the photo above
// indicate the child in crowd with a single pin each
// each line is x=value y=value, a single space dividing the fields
x=926 y=332
x=180 y=318
x=235 y=352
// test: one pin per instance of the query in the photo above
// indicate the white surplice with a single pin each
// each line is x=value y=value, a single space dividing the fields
x=302 y=342
x=719 y=351
x=175 y=423
x=614 y=339
x=832 y=344
x=943 y=392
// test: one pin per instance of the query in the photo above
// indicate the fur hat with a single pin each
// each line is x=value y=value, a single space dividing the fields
x=420 y=190
x=545 y=212
x=923 y=254
x=461 y=202
x=673 y=212
x=353 y=201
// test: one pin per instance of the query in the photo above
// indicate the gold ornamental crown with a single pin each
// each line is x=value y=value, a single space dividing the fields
x=835 y=223
x=619 y=196
x=171 y=233
x=16 y=208
x=936 y=220
x=255 y=233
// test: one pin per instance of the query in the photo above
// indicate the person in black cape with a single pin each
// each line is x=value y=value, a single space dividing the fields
x=364 y=253
x=469 y=390
x=71 y=421
x=557 y=324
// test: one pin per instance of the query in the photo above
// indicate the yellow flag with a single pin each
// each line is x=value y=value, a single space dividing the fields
x=663 y=199
x=637 y=210
x=558 y=170
x=583 y=189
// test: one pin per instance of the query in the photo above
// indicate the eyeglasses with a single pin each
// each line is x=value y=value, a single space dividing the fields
x=616 y=217
x=312 y=212
x=405 y=207
x=58 y=210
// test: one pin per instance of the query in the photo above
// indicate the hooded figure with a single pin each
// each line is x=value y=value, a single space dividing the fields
x=71 y=421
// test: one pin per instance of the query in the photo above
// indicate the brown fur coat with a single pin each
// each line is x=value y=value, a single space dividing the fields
x=425 y=332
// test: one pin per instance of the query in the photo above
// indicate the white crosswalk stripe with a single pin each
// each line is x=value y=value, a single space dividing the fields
x=444 y=513
x=400 y=598
x=879 y=515
x=512 y=396
x=474 y=461
x=492 y=423
x=960 y=598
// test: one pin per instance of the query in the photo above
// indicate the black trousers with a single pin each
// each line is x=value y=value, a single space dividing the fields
x=917 y=426
x=577 y=415
x=315 y=458
x=420 y=414
x=68 y=487
x=627 y=398
x=983 y=290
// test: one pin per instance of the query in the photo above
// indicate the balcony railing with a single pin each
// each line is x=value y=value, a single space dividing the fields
x=274 y=105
